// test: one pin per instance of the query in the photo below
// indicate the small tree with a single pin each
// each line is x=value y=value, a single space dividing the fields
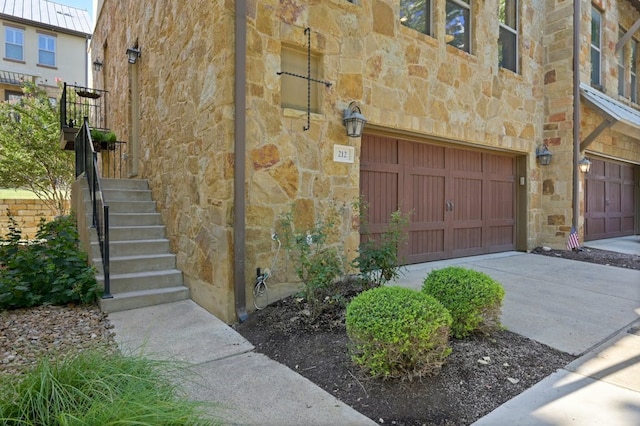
x=30 y=156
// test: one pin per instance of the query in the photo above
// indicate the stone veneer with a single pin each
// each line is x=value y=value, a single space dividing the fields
x=27 y=212
x=408 y=84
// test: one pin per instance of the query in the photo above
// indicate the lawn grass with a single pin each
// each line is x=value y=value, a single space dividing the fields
x=96 y=388
x=17 y=194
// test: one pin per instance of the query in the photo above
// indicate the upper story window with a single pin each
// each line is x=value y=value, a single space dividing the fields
x=46 y=50
x=621 y=67
x=14 y=43
x=633 y=57
x=508 y=38
x=458 y=24
x=596 y=46
x=416 y=15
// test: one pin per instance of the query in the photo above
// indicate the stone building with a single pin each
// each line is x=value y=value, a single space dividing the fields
x=459 y=96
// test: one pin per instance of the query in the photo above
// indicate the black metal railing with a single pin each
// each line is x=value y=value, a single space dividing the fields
x=78 y=102
x=87 y=164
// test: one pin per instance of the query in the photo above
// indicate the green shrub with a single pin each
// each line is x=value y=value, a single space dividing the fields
x=398 y=332
x=94 y=388
x=52 y=269
x=318 y=265
x=377 y=258
x=473 y=298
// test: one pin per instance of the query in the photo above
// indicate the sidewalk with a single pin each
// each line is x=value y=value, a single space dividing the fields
x=580 y=308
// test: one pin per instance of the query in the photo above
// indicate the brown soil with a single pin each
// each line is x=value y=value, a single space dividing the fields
x=480 y=374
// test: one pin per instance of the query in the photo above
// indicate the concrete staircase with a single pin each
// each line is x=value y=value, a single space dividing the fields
x=142 y=268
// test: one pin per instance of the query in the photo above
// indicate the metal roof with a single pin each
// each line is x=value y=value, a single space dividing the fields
x=626 y=119
x=48 y=15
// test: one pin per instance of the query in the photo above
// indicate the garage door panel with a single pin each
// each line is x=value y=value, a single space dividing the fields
x=609 y=200
x=462 y=202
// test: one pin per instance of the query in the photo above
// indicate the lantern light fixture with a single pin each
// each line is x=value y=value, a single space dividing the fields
x=543 y=154
x=133 y=53
x=97 y=65
x=353 y=120
x=584 y=165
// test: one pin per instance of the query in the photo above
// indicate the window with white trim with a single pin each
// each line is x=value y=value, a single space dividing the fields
x=508 y=36
x=458 y=24
x=14 y=43
x=596 y=46
x=46 y=50
x=633 y=87
x=417 y=15
x=621 y=66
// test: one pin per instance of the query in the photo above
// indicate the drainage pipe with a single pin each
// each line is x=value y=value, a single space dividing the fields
x=239 y=208
x=576 y=112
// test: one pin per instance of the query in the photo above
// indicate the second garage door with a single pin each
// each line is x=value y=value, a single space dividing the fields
x=462 y=202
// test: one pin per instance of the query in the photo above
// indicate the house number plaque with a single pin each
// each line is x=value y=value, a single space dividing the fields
x=343 y=154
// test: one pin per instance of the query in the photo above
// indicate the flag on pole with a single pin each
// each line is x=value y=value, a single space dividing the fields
x=573 y=241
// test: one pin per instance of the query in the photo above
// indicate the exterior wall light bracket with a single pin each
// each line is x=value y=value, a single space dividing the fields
x=133 y=53
x=584 y=165
x=353 y=120
x=543 y=155
x=97 y=65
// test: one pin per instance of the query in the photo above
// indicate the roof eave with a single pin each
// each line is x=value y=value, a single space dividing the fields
x=45 y=27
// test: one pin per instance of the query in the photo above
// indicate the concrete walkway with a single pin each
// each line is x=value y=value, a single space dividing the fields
x=628 y=245
x=581 y=308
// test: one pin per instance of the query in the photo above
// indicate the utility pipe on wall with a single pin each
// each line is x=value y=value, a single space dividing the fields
x=239 y=210
x=576 y=112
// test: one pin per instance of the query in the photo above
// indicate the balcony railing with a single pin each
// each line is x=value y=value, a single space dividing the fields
x=78 y=102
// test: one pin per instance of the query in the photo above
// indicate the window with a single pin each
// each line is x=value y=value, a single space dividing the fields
x=458 y=24
x=633 y=89
x=12 y=97
x=46 y=50
x=294 y=89
x=508 y=37
x=416 y=15
x=596 y=32
x=14 y=43
x=621 y=66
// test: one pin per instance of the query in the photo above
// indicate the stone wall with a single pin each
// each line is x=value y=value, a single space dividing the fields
x=408 y=84
x=27 y=212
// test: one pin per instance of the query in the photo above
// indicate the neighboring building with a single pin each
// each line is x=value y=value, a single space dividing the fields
x=459 y=96
x=42 y=42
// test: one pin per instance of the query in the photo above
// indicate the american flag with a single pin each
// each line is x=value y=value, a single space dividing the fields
x=572 y=242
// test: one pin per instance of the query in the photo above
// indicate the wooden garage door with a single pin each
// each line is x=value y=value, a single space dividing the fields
x=462 y=202
x=609 y=200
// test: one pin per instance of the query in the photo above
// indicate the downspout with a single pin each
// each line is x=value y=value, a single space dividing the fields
x=239 y=213
x=576 y=112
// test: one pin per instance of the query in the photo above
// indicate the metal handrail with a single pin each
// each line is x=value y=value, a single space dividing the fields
x=78 y=102
x=87 y=164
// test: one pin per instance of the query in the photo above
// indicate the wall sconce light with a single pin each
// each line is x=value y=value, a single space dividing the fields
x=97 y=65
x=584 y=165
x=353 y=120
x=543 y=155
x=133 y=53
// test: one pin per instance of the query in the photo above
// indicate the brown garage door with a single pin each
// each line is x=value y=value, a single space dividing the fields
x=462 y=201
x=609 y=200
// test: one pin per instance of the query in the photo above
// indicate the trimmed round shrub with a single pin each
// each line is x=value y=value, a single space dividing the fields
x=473 y=298
x=398 y=332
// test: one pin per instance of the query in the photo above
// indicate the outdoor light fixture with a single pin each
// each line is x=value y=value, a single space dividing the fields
x=584 y=165
x=353 y=120
x=97 y=65
x=133 y=53
x=543 y=155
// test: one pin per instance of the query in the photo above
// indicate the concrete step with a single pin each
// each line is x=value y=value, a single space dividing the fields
x=126 y=195
x=124 y=233
x=121 y=206
x=134 y=219
x=125 y=184
x=138 y=263
x=140 y=299
x=131 y=248
x=146 y=280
